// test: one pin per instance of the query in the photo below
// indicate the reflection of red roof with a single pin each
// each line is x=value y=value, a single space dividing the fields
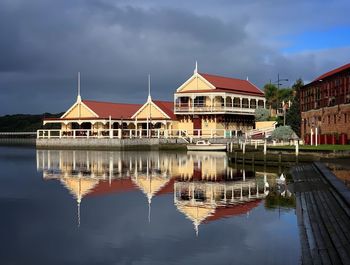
x=335 y=71
x=227 y=211
x=168 y=188
x=117 y=185
x=115 y=110
x=232 y=84
x=167 y=107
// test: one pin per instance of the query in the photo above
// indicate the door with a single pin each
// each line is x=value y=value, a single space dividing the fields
x=197 y=126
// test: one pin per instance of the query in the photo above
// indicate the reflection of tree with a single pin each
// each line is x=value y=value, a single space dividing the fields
x=274 y=200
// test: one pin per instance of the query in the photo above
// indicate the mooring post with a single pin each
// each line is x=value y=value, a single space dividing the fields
x=265 y=149
x=235 y=159
x=279 y=158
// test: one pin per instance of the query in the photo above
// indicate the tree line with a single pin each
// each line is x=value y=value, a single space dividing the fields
x=25 y=122
x=274 y=98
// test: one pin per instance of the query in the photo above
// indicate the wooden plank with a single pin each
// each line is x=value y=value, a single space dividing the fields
x=334 y=229
x=306 y=258
x=328 y=231
x=322 y=240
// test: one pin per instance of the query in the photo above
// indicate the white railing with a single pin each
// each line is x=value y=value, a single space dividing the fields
x=133 y=133
x=244 y=109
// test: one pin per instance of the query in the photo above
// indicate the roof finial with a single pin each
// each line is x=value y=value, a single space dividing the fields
x=196 y=68
x=149 y=88
x=79 y=97
x=247 y=78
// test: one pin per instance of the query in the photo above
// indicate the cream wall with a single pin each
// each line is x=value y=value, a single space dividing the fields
x=84 y=112
x=196 y=84
x=147 y=110
x=264 y=124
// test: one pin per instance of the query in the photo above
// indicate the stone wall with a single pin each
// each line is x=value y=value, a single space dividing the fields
x=118 y=144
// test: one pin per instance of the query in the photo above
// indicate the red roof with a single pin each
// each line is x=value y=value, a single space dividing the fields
x=117 y=185
x=232 y=210
x=335 y=71
x=115 y=110
x=232 y=84
x=167 y=107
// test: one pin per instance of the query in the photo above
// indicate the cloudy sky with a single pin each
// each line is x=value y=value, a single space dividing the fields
x=115 y=44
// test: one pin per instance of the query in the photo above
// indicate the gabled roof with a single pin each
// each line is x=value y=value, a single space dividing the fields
x=332 y=72
x=167 y=107
x=232 y=84
x=115 y=110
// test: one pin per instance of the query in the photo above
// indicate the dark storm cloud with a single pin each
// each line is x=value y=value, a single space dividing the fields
x=116 y=44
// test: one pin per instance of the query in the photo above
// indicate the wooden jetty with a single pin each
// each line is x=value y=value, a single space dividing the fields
x=323 y=216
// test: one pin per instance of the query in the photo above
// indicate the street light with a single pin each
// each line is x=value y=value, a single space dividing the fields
x=279 y=80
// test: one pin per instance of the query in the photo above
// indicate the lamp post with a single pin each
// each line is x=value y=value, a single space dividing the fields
x=278 y=82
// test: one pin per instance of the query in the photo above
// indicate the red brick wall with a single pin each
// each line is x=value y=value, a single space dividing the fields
x=328 y=120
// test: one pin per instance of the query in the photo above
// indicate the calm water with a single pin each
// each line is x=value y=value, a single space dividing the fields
x=92 y=207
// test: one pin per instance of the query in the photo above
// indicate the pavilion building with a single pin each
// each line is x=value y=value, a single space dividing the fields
x=205 y=105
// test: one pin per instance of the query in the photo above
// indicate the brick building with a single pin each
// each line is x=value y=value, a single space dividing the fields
x=325 y=108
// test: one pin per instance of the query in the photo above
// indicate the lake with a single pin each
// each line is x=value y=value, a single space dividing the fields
x=123 y=207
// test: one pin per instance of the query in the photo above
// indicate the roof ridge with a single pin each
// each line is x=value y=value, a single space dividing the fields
x=224 y=76
x=109 y=102
x=333 y=71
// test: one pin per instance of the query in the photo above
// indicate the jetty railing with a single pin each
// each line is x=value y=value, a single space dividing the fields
x=135 y=133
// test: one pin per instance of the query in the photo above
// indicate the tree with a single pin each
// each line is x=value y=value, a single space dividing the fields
x=293 y=117
x=284 y=133
x=262 y=114
x=271 y=95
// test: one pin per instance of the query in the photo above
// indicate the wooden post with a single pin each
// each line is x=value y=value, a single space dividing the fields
x=311 y=134
x=316 y=136
x=265 y=149
x=253 y=162
x=279 y=158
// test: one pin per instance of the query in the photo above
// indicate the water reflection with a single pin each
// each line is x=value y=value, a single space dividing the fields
x=204 y=186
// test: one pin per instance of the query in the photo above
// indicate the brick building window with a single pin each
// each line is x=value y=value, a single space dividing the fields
x=329 y=119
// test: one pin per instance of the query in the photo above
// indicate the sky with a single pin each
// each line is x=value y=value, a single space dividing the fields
x=116 y=44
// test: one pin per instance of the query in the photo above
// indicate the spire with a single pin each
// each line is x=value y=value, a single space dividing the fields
x=78 y=97
x=149 y=88
x=78 y=214
x=196 y=225
x=149 y=209
x=247 y=78
x=196 y=68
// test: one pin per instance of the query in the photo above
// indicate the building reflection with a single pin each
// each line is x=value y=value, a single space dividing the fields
x=205 y=188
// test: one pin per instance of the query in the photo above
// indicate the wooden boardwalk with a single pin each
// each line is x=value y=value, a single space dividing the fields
x=323 y=218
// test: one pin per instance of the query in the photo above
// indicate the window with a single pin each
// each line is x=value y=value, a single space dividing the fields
x=199 y=101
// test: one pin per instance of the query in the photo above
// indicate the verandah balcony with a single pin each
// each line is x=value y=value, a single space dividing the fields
x=217 y=104
x=214 y=109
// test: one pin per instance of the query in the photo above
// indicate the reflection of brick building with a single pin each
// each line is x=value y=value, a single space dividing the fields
x=325 y=106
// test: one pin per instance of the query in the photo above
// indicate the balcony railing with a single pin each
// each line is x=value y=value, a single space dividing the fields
x=198 y=109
